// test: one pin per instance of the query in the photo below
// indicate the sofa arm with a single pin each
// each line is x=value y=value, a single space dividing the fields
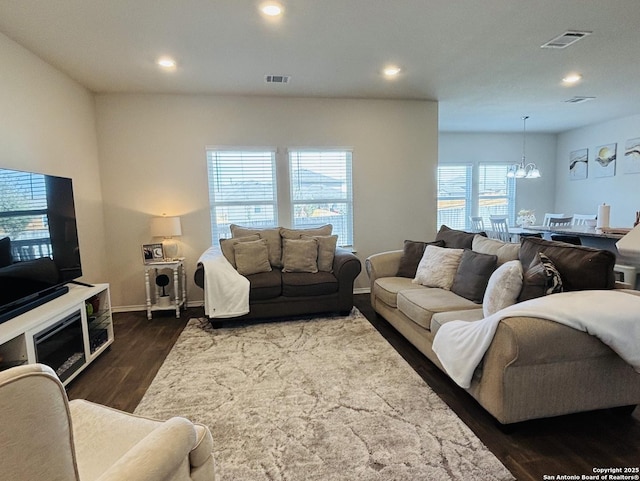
x=346 y=267
x=157 y=456
x=384 y=264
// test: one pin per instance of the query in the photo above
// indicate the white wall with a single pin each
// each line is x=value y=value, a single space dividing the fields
x=47 y=125
x=152 y=154
x=619 y=191
x=533 y=194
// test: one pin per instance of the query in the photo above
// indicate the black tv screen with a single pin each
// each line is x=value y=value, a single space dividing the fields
x=39 y=250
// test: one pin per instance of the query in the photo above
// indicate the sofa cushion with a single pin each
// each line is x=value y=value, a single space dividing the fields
x=473 y=274
x=272 y=236
x=503 y=288
x=420 y=305
x=441 y=318
x=438 y=267
x=581 y=267
x=411 y=254
x=540 y=279
x=300 y=284
x=506 y=251
x=252 y=257
x=300 y=255
x=265 y=285
x=227 y=246
x=326 y=229
x=386 y=289
x=456 y=239
x=326 y=250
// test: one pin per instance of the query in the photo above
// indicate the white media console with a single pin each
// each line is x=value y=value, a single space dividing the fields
x=66 y=333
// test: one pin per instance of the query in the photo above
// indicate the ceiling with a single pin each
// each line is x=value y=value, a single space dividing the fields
x=481 y=60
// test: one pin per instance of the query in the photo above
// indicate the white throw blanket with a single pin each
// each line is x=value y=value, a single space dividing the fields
x=226 y=292
x=610 y=315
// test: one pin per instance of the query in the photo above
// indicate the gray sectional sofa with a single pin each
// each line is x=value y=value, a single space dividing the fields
x=534 y=367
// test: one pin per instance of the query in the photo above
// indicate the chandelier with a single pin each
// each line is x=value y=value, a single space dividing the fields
x=524 y=170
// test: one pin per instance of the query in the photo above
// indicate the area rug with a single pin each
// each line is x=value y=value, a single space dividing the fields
x=314 y=399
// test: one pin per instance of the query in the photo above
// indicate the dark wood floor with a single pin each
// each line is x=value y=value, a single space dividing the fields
x=568 y=445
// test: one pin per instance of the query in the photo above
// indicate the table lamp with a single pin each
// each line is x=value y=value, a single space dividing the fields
x=167 y=227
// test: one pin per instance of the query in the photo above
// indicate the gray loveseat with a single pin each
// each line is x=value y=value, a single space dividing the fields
x=321 y=283
x=534 y=368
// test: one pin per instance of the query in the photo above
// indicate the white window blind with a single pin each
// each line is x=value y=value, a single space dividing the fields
x=242 y=189
x=496 y=192
x=454 y=195
x=321 y=191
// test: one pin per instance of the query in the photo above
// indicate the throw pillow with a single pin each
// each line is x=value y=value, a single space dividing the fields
x=412 y=252
x=227 y=246
x=456 y=239
x=272 y=236
x=581 y=267
x=506 y=251
x=473 y=275
x=6 y=258
x=326 y=251
x=438 y=267
x=313 y=231
x=503 y=288
x=540 y=279
x=300 y=255
x=252 y=257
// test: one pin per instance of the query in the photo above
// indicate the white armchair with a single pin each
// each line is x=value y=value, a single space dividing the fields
x=43 y=436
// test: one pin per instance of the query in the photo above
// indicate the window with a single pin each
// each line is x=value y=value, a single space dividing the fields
x=454 y=195
x=242 y=189
x=466 y=190
x=321 y=191
x=496 y=192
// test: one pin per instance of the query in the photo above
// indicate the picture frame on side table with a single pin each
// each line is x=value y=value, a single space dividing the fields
x=152 y=253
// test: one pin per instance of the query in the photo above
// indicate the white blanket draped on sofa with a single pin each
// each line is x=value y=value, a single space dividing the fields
x=226 y=292
x=610 y=315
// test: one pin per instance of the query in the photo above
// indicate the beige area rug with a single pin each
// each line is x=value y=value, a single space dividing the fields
x=319 y=399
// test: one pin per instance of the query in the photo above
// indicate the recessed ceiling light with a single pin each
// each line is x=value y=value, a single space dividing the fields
x=391 y=71
x=572 y=79
x=167 y=63
x=272 y=9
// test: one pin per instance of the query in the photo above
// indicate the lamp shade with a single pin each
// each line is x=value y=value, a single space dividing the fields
x=629 y=245
x=166 y=227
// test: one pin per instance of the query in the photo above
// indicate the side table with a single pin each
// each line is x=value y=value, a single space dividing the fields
x=179 y=285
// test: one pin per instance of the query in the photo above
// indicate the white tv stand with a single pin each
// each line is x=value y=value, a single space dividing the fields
x=29 y=337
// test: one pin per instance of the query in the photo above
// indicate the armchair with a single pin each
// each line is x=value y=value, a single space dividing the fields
x=43 y=436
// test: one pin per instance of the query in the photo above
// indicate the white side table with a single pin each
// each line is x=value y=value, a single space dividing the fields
x=179 y=285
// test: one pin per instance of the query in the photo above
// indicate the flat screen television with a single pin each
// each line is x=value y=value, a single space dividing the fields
x=39 y=249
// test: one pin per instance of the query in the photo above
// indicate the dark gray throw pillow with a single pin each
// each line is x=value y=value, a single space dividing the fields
x=411 y=255
x=456 y=239
x=473 y=275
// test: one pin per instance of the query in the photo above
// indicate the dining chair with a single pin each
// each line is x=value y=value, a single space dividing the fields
x=560 y=221
x=477 y=223
x=581 y=219
x=548 y=216
x=500 y=228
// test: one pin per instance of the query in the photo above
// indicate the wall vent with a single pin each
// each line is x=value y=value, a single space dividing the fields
x=567 y=38
x=277 y=79
x=578 y=99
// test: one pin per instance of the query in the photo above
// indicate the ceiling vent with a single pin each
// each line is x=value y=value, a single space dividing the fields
x=567 y=38
x=277 y=79
x=578 y=100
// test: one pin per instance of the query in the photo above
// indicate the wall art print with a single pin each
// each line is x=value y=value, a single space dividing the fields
x=631 y=161
x=578 y=165
x=604 y=164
